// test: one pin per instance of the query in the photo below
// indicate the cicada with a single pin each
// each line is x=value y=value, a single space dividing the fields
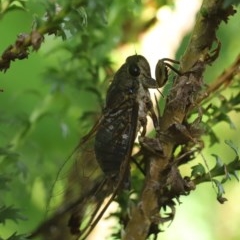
x=102 y=159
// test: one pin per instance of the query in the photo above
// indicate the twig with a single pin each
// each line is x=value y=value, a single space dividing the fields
x=20 y=49
x=222 y=81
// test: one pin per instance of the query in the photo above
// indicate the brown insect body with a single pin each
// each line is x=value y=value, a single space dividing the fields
x=127 y=106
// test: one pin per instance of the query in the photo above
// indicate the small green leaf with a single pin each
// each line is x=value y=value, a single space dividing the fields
x=219 y=162
x=15 y=236
x=227 y=3
x=4 y=151
x=220 y=191
x=7 y=6
x=36 y=22
x=82 y=13
x=233 y=146
x=213 y=137
x=224 y=117
x=10 y=213
x=198 y=170
x=221 y=199
x=235 y=175
x=204 y=12
x=4 y=183
x=235 y=100
x=227 y=175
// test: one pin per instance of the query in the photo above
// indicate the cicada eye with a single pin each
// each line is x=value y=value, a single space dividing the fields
x=134 y=70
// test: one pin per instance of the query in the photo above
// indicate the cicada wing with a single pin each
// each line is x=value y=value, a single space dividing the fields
x=78 y=191
x=76 y=177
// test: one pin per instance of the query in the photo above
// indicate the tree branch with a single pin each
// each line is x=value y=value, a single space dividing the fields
x=223 y=80
x=163 y=182
x=20 y=49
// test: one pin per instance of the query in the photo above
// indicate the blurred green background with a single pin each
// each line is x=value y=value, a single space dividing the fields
x=50 y=100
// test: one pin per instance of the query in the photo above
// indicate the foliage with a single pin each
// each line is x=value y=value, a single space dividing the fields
x=41 y=122
x=9 y=212
x=10 y=5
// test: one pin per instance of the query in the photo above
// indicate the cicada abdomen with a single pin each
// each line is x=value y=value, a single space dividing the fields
x=102 y=159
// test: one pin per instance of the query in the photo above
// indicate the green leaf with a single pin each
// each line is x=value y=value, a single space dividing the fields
x=219 y=162
x=7 y=6
x=227 y=175
x=15 y=236
x=233 y=146
x=235 y=100
x=198 y=170
x=227 y=3
x=6 y=152
x=223 y=169
x=4 y=183
x=82 y=13
x=224 y=117
x=213 y=137
x=221 y=199
x=235 y=174
x=234 y=166
x=10 y=213
x=220 y=191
